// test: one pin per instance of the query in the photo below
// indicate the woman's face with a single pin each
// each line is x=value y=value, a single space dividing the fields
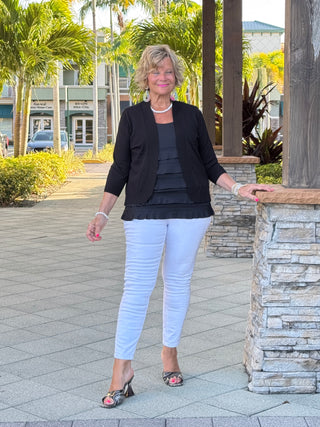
x=161 y=81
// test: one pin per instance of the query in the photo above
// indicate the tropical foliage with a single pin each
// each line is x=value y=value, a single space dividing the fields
x=112 y=46
x=266 y=146
x=181 y=29
x=116 y=6
x=116 y=53
x=269 y=67
x=255 y=106
x=32 y=41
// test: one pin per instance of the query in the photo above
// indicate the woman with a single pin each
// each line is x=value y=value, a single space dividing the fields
x=164 y=157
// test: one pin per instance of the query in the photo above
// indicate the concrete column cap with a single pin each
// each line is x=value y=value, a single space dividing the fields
x=298 y=196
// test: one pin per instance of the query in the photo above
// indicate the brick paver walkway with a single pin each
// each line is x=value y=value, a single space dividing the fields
x=58 y=306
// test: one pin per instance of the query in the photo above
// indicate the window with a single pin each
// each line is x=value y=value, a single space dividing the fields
x=71 y=77
x=83 y=130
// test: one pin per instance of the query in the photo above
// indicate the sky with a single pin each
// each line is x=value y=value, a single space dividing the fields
x=267 y=11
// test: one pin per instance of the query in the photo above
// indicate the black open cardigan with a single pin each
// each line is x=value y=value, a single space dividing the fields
x=136 y=153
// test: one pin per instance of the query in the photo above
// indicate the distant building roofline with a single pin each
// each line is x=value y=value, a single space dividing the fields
x=260 y=27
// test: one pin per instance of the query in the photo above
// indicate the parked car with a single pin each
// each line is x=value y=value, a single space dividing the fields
x=42 y=140
x=4 y=144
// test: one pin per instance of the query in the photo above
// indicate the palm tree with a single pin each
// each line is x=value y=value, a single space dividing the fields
x=273 y=64
x=181 y=29
x=117 y=52
x=10 y=12
x=37 y=37
x=118 y=7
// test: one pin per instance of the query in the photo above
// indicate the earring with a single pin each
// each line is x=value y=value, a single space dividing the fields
x=174 y=96
x=146 y=96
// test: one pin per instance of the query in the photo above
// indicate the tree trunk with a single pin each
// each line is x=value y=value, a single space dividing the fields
x=157 y=6
x=118 y=96
x=113 y=121
x=18 y=117
x=25 y=120
x=194 y=91
x=114 y=98
x=56 y=117
x=95 y=135
x=112 y=85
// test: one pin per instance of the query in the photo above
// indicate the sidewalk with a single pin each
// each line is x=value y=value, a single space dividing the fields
x=59 y=296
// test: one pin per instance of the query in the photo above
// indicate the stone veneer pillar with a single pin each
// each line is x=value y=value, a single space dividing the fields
x=232 y=232
x=282 y=350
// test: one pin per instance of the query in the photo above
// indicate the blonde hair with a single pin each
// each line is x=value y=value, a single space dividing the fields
x=150 y=60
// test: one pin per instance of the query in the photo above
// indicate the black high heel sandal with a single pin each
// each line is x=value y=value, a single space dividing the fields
x=118 y=396
x=169 y=376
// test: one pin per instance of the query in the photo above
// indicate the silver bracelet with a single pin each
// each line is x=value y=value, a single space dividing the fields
x=235 y=188
x=102 y=213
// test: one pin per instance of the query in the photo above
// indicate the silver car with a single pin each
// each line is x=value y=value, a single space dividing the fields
x=42 y=140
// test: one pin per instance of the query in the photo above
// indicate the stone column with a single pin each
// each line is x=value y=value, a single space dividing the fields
x=282 y=350
x=232 y=231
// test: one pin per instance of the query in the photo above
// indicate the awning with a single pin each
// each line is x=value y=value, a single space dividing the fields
x=6 y=111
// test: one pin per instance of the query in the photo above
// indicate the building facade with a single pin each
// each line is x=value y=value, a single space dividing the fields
x=6 y=111
x=76 y=108
x=262 y=37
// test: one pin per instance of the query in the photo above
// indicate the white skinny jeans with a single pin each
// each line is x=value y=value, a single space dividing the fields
x=145 y=242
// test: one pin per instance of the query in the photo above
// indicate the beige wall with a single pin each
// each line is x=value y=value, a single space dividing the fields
x=264 y=42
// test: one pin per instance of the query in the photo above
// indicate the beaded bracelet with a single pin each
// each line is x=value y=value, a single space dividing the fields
x=235 y=188
x=102 y=213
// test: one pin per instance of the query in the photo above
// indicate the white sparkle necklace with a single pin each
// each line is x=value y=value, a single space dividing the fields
x=163 y=111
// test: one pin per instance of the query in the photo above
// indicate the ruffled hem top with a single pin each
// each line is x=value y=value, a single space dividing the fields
x=170 y=198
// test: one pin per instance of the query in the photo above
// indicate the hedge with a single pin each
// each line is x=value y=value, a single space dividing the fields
x=269 y=174
x=35 y=175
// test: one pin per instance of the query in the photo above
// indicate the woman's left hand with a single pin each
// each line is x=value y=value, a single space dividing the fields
x=248 y=190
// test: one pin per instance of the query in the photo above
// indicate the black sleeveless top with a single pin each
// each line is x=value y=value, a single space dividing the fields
x=170 y=198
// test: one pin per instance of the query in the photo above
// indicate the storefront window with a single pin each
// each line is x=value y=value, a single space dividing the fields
x=83 y=130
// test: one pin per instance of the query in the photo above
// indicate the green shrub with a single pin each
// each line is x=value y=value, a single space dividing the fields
x=88 y=155
x=73 y=163
x=50 y=168
x=16 y=180
x=35 y=174
x=105 y=155
x=269 y=174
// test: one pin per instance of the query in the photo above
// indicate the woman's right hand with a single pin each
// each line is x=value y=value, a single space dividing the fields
x=95 y=227
x=100 y=220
